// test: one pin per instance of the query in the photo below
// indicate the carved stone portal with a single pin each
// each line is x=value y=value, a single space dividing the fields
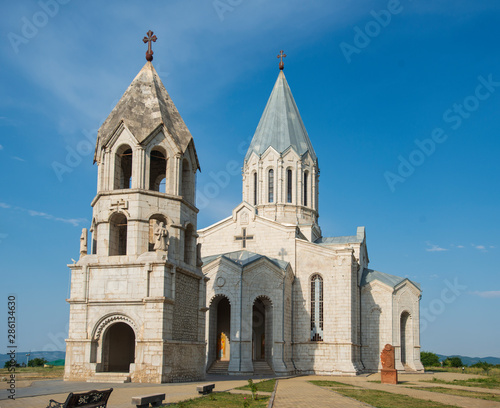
x=388 y=374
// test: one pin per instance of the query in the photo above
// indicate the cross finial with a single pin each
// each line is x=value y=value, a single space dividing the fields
x=281 y=55
x=150 y=37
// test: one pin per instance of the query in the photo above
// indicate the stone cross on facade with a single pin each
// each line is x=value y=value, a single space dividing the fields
x=150 y=37
x=243 y=237
x=282 y=253
x=281 y=55
x=119 y=205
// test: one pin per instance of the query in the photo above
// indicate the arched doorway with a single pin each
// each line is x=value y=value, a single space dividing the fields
x=262 y=333
x=118 y=350
x=219 y=347
x=406 y=343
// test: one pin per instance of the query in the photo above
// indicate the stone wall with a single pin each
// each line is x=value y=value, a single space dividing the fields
x=185 y=323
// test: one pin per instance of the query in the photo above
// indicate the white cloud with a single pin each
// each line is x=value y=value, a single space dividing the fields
x=73 y=221
x=481 y=248
x=1 y=147
x=18 y=158
x=434 y=276
x=488 y=294
x=434 y=248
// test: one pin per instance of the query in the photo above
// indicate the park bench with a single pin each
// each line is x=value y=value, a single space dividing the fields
x=89 y=399
x=205 y=388
x=144 y=400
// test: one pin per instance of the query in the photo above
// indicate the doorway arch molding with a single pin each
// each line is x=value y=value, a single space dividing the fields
x=110 y=319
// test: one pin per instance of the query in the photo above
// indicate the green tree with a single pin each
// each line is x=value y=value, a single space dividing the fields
x=37 y=362
x=429 y=359
x=484 y=365
x=8 y=364
x=453 y=362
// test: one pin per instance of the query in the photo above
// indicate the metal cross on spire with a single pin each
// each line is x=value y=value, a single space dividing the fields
x=281 y=55
x=150 y=37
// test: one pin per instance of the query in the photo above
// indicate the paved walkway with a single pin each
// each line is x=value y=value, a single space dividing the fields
x=294 y=392
x=298 y=392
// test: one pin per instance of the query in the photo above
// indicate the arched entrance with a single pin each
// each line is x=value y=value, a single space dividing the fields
x=262 y=333
x=219 y=347
x=406 y=337
x=118 y=348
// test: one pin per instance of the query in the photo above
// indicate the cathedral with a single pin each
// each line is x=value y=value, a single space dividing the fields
x=154 y=299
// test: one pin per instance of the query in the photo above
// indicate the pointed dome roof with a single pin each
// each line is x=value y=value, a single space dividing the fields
x=145 y=106
x=281 y=125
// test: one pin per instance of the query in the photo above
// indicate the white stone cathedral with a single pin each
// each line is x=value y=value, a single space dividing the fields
x=282 y=297
x=278 y=297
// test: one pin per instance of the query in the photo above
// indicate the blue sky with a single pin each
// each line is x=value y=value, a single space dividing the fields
x=374 y=83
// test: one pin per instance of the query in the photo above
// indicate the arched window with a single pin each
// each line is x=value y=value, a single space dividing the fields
x=118 y=235
x=93 y=230
x=255 y=188
x=316 y=308
x=188 y=244
x=157 y=170
x=123 y=168
x=187 y=185
x=289 y=186
x=270 y=186
x=306 y=187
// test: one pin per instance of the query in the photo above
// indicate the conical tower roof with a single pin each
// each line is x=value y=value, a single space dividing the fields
x=281 y=125
x=144 y=107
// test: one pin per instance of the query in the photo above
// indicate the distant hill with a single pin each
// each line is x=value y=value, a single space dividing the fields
x=21 y=356
x=472 y=360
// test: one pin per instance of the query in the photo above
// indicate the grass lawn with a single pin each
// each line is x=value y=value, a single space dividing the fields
x=222 y=400
x=34 y=373
x=484 y=382
x=265 y=386
x=460 y=393
x=380 y=399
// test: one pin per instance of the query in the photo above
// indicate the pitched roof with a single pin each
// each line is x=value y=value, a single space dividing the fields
x=145 y=106
x=369 y=275
x=244 y=258
x=281 y=125
x=350 y=239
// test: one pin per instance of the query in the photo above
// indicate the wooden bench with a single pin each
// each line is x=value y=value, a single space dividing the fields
x=144 y=400
x=89 y=399
x=205 y=388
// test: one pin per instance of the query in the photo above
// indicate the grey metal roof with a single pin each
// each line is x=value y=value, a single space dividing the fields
x=145 y=106
x=369 y=275
x=350 y=239
x=244 y=258
x=281 y=125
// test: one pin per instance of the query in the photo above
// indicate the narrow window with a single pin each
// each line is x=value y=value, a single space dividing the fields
x=289 y=186
x=118 y=235
x=255 y=188
x=306 y=179
x=123 y=168
x=270 y=184
x=316 y=308
x=157 y=171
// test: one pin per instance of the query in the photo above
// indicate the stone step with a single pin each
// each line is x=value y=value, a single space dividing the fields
x=262 y=367
x=110 y=378
x=219 y=367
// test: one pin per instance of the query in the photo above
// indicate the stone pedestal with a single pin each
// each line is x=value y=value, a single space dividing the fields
x=389 y=376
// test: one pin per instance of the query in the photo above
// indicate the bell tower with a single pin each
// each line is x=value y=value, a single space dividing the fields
x=137 y=304
x=280 y=170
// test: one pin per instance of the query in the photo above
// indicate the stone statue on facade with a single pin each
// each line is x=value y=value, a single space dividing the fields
x=83 y=243
x=161 y=237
